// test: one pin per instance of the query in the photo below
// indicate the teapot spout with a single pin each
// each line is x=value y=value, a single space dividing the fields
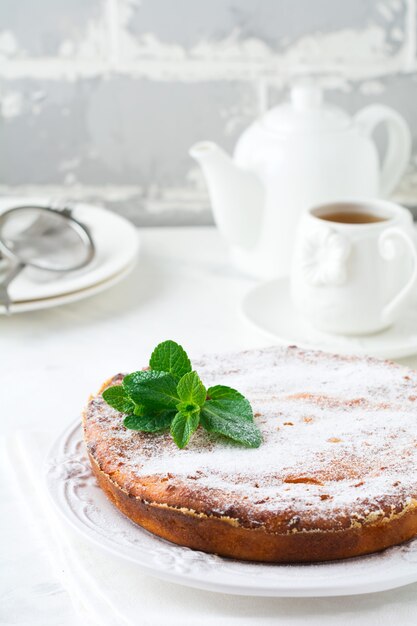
x=236 y=195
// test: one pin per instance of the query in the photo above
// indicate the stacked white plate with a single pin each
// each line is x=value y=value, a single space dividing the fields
x=117 y=244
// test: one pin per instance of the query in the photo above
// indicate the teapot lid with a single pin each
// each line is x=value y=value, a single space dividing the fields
x=306 y=111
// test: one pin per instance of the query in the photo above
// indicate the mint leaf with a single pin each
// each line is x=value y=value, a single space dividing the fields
x=216 y=417
x=153 y=390
x=232 y=401
x=149 y=423
x=117 y=398
x=190 y=389
x=139 y=409
x=170 y=357
x=183 y=426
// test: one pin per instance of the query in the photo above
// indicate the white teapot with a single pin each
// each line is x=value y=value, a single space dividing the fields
x=297 y=155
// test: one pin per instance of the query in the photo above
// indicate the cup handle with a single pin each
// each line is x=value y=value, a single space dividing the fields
x=387 y=251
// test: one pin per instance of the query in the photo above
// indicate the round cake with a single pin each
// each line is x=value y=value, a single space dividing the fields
x=335 y=476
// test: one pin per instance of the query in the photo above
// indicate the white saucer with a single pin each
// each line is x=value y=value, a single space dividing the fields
x=81 y=503
x=268 y=308
x=117 y=244
x=67 y=298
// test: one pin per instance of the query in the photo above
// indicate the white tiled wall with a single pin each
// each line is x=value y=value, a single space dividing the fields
x=104 y=97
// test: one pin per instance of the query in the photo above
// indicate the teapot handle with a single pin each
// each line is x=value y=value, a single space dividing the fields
x=398 y=152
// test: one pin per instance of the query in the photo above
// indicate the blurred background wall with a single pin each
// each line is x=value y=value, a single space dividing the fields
x=104 y=97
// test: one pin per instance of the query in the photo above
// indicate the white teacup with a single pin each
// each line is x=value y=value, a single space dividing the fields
x=354 y=265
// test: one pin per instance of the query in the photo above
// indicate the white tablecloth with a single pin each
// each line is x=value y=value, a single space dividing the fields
x=184 y=289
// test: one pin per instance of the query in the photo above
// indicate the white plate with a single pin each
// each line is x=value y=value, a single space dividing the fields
x=116 y=241
x=48 y=303
x=268 y=308
x=76 y=496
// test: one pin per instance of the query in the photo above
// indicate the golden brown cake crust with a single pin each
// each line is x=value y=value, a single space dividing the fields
x=335 y=477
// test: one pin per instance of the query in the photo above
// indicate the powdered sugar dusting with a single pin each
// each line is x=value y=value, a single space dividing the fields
x=340 y=438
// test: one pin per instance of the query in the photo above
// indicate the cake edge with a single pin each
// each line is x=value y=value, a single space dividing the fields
x=227 y=537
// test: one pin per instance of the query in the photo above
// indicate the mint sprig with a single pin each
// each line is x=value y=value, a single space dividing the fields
x=169 y=395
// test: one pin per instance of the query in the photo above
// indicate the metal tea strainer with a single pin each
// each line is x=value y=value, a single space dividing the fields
x=44 y=238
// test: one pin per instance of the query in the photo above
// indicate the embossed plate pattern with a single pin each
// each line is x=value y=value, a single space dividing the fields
x=76 y=496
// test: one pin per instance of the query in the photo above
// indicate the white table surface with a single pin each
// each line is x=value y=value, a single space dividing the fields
x=183 y=289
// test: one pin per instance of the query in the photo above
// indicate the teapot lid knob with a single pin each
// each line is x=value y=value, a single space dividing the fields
x=306 y=96
x=306 y=112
